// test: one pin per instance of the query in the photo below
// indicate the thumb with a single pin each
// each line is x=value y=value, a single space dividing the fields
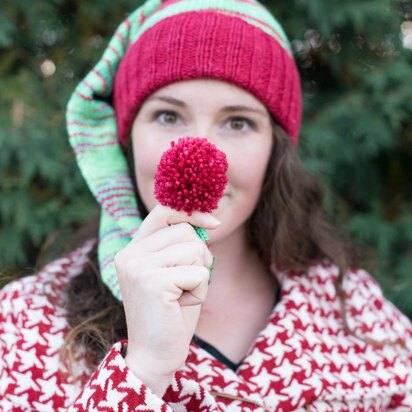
x=163 y=216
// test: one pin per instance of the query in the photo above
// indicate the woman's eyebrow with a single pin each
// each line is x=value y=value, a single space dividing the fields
x=225 y=109
x=168 y=99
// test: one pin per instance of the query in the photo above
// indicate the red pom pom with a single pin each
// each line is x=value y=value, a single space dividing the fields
x=191 y=175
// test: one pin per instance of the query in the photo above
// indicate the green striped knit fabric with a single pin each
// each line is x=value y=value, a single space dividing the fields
x=92 y=126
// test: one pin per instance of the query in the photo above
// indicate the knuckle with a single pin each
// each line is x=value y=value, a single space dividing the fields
x=198 y=248
x=129 y=264
x=148 y=279
x=145 y=281
x=186 y=229
x=197 y=252
x=161 y=212
x=158 y=209
x=204 y=253
x=117 y=260
x=204 y=274
x=208 y=262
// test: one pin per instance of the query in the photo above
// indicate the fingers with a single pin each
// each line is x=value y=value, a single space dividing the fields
x=186 y=284
x=163 y=216
x=180 y=232
x=186 y=253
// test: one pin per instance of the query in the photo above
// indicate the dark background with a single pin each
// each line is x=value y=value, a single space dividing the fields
x=356 y=136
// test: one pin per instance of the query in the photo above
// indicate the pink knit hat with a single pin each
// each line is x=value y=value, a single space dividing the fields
x=239 y=42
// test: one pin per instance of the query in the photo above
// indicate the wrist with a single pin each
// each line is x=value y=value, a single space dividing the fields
x=156 y=380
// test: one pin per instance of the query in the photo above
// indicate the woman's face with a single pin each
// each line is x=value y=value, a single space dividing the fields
x=229 y=117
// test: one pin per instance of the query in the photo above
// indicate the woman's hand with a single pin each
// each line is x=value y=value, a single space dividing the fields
x=163 y=277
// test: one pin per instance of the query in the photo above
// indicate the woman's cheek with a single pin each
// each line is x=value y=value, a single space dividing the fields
x=145 y=184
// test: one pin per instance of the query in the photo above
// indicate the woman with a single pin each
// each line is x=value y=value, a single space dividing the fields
x=285 y=323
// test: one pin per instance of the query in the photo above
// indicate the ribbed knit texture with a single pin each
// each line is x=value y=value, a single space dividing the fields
x=91 y=118
x=220 y=44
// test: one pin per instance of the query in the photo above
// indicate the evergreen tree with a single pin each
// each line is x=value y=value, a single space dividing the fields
x=356 y=135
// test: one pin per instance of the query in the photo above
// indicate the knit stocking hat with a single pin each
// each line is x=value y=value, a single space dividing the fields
x=161 y=42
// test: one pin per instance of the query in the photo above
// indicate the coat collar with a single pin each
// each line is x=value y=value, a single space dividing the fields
x=304 y=352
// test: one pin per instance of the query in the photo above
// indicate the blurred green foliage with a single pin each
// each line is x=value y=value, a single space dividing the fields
x=356 y=136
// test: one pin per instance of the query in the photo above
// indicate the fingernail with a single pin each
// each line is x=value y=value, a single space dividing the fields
x=213 y=220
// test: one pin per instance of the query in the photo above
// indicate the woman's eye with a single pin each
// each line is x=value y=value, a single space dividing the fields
x=240 y=124
x=171 y=118
x=166 y=117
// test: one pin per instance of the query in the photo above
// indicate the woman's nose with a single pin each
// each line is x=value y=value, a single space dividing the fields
x=204 y=130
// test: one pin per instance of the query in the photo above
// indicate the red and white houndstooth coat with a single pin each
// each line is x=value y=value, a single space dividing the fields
x=302 y=360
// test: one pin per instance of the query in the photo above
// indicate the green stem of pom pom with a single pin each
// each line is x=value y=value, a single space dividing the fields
x=202 y=233
x=211 y=268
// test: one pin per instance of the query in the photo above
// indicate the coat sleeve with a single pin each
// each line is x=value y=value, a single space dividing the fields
x=9 y=336
x=384 y=321
x=114 y=387
x=30 y=372
x=30 y=376
x=403 y=402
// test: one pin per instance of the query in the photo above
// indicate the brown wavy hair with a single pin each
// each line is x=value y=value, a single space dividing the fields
x=289 y=226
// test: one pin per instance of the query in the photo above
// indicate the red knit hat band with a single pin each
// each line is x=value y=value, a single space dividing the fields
x=208 y=44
